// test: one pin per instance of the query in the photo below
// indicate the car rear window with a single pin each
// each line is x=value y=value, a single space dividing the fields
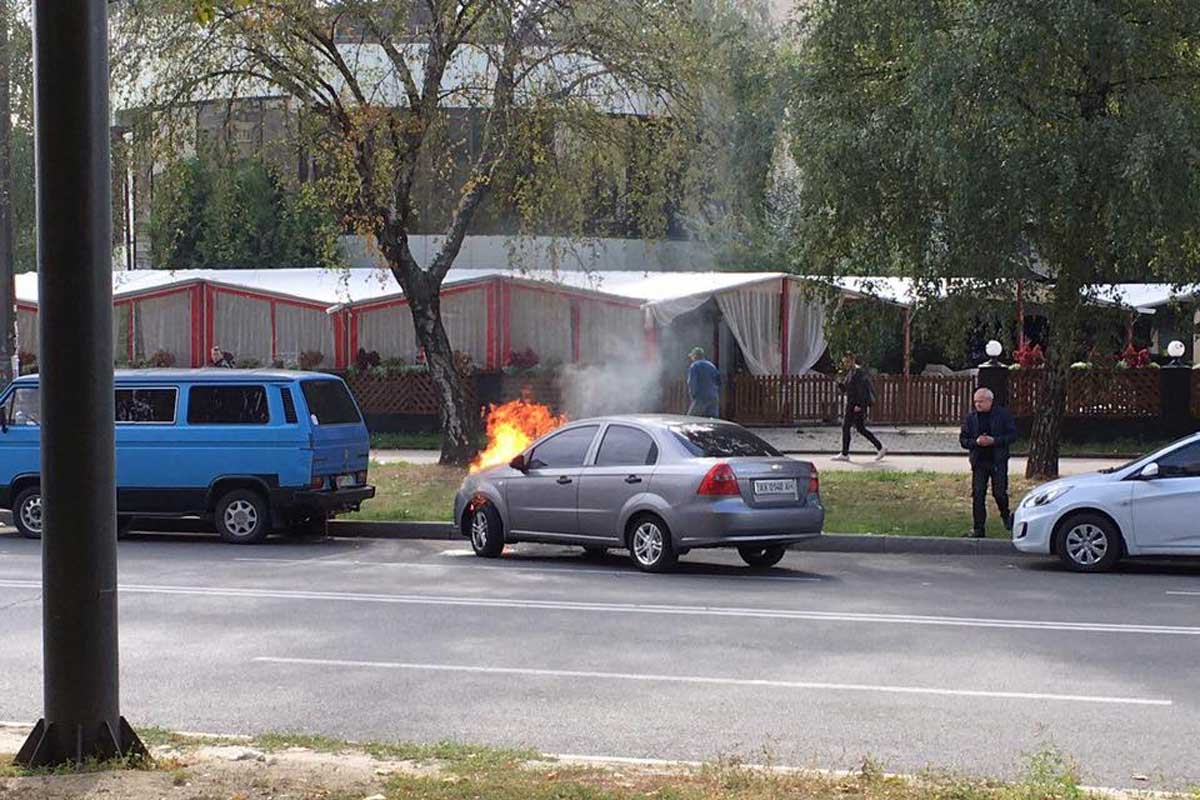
x=716 y=440
x=329 y=402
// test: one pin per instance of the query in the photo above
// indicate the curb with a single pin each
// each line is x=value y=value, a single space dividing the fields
x=826 y=543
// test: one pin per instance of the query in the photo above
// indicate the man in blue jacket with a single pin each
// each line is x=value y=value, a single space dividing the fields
x=704 y=386
x=988 y=432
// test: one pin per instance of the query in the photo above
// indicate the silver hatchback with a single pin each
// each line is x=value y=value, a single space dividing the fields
x=657 y=486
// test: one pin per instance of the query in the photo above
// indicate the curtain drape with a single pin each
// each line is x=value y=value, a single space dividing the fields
x=752 y=314
x=241 y=326
x=298 y=330
x=806 y=331
x=541 y=322
x=165 y=324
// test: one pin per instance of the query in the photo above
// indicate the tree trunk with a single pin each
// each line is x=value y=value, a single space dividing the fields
x=1047 y=423
x=460 y=419
x=8 y=311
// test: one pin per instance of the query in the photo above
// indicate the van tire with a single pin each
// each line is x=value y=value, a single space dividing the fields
x=33 y=497
x=243 y=517
x=486 y=530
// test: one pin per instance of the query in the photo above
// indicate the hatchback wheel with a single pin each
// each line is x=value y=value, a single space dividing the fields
x=486 y=530
x=1089 y=543
x=27 y=513
x=243 y=517
x=762 y=557
x=650 y=544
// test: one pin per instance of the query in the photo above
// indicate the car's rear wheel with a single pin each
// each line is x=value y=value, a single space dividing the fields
x=762 y=557
x=27 y=513
x=1088 y=543
x=650 y=544
x=486 y=530
x=243 y=517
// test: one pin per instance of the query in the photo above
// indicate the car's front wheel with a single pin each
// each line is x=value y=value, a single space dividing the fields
x=1088 y=543
x=27 y=513
x=243 y=517
x=762 y=557
x=650 y=544
x=487 y=532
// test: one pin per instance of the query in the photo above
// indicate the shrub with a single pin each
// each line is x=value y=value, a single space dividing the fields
x=523 y=360
x=311 y=359
x=162 y=359
x=365 y=360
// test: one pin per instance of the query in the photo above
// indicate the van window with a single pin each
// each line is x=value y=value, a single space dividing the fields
x=289 y=405
x=146 y=405
x=228 y=405
x=23 y=407
x=329 y=402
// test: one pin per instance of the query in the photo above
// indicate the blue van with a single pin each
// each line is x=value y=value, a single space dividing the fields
x=252 y=450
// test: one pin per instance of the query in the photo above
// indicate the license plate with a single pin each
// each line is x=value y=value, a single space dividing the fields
x=345 y=481
x=776 y=488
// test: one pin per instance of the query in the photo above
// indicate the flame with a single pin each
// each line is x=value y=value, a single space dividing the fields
x=511 y=428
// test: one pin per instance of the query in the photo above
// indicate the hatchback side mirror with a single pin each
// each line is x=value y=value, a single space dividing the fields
x=518 y=463
x=1149 y=471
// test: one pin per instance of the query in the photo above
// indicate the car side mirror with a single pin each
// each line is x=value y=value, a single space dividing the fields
x=518 y=463
x=1149 y=471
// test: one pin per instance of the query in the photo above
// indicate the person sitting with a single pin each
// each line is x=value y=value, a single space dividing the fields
x=219 y=358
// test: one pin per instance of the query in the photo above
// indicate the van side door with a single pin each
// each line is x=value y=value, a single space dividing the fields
x=20 y=444
x=148 y=443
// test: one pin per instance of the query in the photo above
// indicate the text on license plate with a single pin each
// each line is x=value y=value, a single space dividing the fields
x=776 y=487
x=343 y=481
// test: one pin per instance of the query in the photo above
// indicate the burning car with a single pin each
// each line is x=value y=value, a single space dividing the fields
x=657 y=486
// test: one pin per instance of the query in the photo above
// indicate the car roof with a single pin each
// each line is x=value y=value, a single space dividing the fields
x=658 y=420
x=206 y=375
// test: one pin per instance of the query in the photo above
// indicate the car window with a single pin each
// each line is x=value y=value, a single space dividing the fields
x=228 y=405
x=721 y=440
x=146 y=405
x=1182 y=462
x=566 y=449
x=329 y=403
x=626 y=447
x=289 y=406
x=23 y=407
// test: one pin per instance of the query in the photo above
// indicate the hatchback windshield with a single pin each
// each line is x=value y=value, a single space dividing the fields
x=717 y=440
x=330 y=403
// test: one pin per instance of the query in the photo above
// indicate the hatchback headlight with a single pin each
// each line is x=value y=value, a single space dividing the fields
x=1044 y=498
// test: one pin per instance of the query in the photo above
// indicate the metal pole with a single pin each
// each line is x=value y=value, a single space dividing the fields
x=79 y=543
x=8 y=297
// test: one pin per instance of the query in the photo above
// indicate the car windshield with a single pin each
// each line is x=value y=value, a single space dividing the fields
x=721 y=440
x=1128 y=464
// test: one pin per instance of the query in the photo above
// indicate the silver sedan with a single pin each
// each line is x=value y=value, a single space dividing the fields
x=657 y=486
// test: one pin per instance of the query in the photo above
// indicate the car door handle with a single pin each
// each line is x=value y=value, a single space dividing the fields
x=563 y=480
x=633 y=479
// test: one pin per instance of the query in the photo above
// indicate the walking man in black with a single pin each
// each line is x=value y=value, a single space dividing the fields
x=860 y=394
x=987 y=433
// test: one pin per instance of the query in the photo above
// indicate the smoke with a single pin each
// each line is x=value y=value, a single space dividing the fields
x=625 y=387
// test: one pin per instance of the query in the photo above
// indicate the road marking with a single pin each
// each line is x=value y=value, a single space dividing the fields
x=564 y=570
x=1184 y=594
x=702 y=680
x=636 y=608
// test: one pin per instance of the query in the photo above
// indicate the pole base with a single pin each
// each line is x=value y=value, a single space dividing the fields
x=53 y=745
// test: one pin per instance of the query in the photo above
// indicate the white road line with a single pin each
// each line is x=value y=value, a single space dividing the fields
x=696 y=679
x=1184 y=594
x=637 y=608
x=565 y=570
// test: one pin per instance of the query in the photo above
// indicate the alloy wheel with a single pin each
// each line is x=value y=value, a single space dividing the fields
x=1086 y=544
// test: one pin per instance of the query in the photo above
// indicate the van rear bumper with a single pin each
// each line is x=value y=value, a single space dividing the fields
x=287 y=502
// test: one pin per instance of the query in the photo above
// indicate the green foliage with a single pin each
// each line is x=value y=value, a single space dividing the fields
x=209 y=214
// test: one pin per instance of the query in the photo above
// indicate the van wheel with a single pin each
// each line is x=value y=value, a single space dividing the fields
x=27 y=513
x=243 y=517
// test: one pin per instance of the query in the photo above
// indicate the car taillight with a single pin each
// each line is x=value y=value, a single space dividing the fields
x=814 y=482
x=719 y=481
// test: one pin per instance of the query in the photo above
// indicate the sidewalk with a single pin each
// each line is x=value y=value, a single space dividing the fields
x=860 y=462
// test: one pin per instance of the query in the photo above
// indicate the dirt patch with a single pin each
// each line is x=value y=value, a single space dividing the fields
x=209 y=772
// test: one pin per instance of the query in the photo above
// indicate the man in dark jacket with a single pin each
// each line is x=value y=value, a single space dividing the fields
x=860 y=394
x=988 y=432
x=704 y=386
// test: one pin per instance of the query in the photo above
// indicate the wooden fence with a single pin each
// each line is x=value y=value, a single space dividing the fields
x=1092 y=393
x=784 y=400
x=407 y=393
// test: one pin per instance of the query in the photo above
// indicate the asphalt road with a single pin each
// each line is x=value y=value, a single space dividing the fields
x=964 y=663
